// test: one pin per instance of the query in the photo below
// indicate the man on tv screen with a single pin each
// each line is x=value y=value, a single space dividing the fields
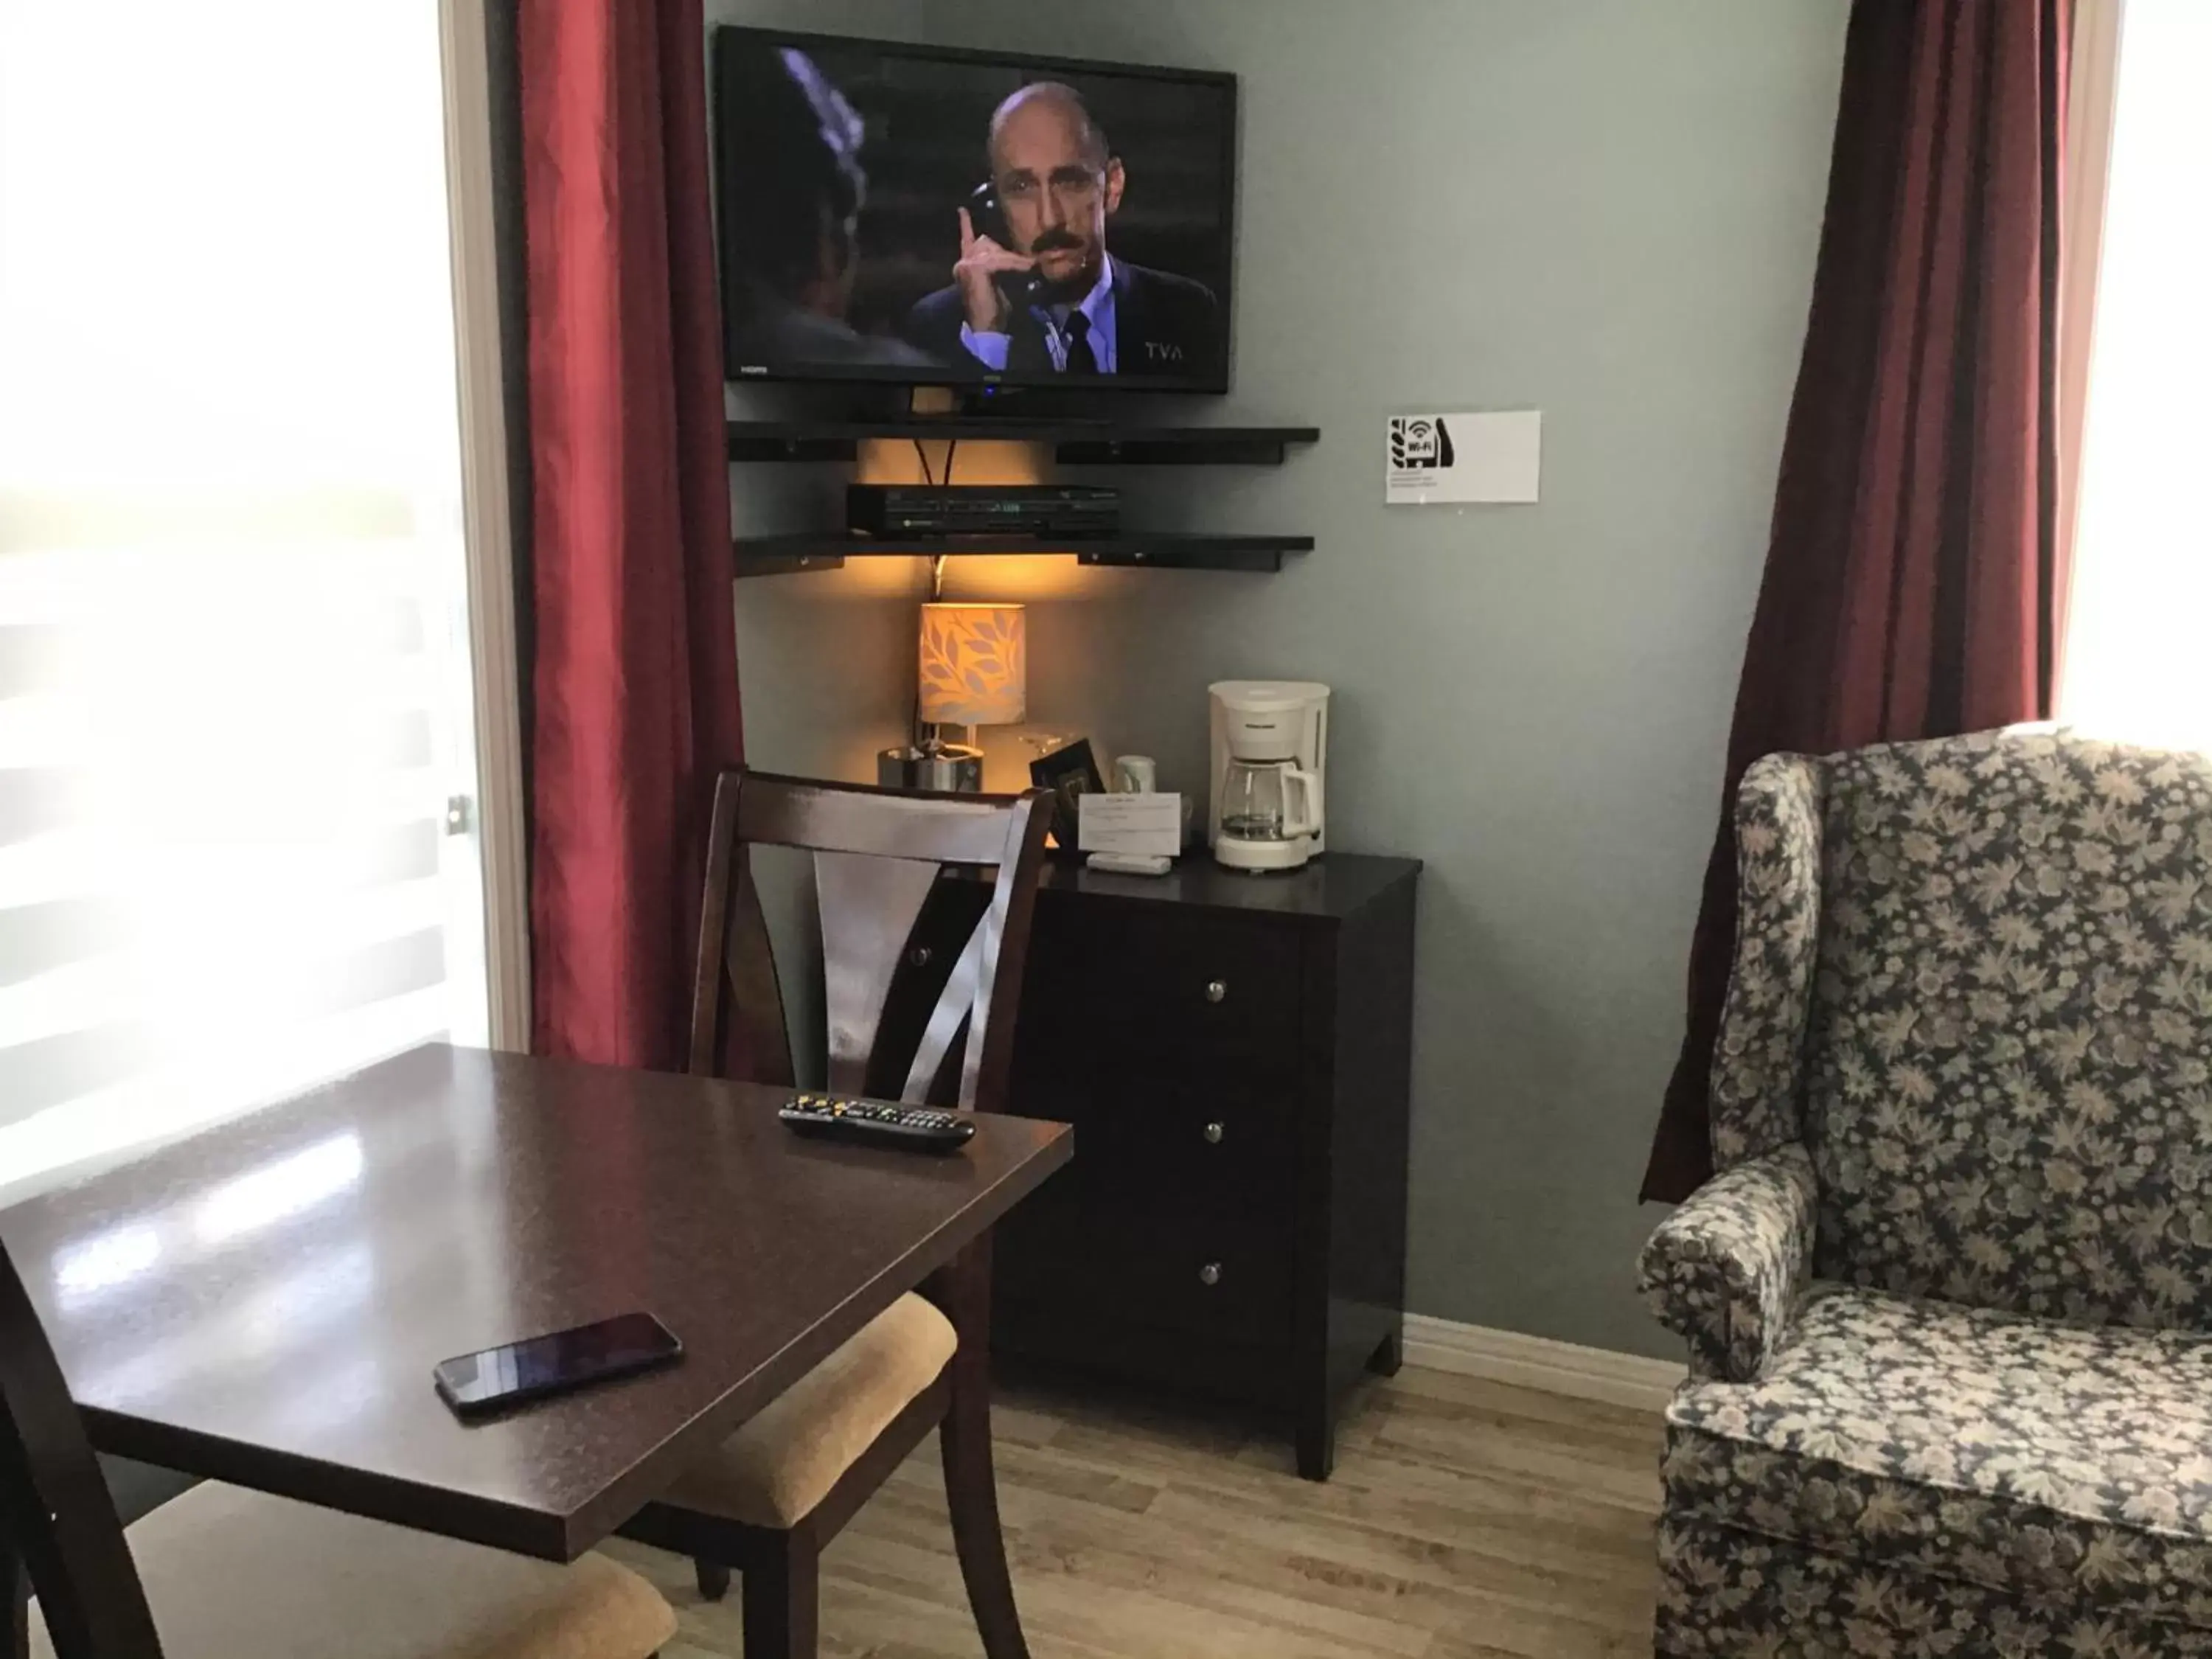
x=1050 y=299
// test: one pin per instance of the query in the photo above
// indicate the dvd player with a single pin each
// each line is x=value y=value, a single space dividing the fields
x=982 y=509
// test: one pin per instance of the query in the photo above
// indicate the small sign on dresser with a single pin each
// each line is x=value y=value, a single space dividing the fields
x=1146 y=825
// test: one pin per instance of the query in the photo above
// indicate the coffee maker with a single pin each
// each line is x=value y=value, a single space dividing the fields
x=1270 y=747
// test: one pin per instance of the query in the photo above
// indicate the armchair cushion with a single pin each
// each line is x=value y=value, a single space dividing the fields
x=2046 y=1461
x=1725 y=1269
x=2007 y=1086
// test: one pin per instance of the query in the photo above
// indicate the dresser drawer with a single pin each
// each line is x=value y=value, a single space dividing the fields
x=1176 y=1143
x=1120 y=982
x=1208 y=1367
x=1199 y=1275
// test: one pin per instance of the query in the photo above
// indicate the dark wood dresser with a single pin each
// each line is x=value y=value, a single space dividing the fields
x=1233 y=1052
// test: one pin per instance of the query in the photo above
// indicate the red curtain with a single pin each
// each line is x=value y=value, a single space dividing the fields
x=634 y=679
x=1913 y=585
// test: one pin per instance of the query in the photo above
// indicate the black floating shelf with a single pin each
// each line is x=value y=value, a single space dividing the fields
x=767 y=555
x=1075 y=443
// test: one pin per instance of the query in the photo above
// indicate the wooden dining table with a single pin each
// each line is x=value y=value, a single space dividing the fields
x=263 y=1302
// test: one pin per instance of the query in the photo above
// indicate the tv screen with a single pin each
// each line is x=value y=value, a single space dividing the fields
x=913 y=214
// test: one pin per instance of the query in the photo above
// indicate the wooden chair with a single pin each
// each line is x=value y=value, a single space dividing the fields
x=237 y=1574
x=915 y=953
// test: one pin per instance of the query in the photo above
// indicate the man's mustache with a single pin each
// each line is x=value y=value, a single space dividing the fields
x=1056 y=241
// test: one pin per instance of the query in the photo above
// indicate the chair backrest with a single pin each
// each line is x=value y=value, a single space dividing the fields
x=2008 y=1064
x=915 y=952
x=55 y=1511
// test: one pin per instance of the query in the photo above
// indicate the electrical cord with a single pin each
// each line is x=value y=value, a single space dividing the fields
x=937 y=563
x=952 y=448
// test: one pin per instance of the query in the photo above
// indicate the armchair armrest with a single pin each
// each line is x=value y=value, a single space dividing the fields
x=1726 y=1269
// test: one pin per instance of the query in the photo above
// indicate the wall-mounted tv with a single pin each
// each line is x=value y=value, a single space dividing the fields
x=915 y=213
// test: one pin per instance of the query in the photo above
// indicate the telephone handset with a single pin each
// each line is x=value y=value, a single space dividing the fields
x=988 y=216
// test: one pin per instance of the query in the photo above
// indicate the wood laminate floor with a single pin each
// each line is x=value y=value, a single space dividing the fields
x=1466 y=1520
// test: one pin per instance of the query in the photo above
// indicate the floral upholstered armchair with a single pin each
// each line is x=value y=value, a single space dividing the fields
x=1949 y=1298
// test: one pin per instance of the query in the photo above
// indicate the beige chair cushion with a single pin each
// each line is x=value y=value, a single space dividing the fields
x=232 y=1574
x=774 y=1470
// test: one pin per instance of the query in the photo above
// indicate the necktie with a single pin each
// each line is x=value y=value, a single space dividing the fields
x=1080 y=358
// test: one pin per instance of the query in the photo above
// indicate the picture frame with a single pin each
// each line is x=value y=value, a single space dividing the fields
x=1070 y=772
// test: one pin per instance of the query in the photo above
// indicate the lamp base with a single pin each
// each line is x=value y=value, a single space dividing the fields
x=947 y=768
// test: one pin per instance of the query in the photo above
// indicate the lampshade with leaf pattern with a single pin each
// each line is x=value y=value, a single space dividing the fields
x=975 y=665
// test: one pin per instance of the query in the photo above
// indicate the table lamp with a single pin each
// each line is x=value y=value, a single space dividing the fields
x=974 y=672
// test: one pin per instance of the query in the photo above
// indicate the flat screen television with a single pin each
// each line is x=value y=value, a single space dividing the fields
x=915 y=213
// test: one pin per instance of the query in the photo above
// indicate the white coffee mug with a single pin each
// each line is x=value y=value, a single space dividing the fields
x=1136 y=774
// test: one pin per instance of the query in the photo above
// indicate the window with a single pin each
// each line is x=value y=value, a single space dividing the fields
x=2139 y=638
x=234 y=680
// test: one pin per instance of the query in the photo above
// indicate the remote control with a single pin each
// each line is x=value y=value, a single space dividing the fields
x=910 y=1128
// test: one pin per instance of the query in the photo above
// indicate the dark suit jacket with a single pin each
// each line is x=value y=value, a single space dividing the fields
x=1163 y=325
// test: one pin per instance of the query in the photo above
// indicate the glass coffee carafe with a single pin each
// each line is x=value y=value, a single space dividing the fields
x=1266 y=800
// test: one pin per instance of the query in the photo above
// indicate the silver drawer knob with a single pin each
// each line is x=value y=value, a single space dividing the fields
x=1215 y=990
x=1210 y=1274
x=1214 y=1133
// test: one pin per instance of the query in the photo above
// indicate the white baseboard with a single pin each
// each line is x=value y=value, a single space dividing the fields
x=1538 y=1362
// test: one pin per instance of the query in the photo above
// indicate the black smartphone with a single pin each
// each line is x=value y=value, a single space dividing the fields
x=492 y=1379
x=988 y=216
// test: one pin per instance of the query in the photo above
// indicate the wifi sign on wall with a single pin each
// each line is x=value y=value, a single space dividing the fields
x=1488 y=457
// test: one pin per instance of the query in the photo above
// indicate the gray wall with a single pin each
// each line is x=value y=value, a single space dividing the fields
x=1604 y=209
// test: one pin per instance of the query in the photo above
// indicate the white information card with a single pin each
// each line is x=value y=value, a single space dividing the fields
x=1492 y=456
x=1146 y=824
